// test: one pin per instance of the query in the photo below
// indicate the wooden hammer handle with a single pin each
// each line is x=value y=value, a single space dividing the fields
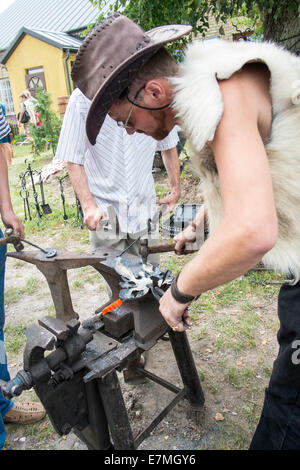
x=161 y=248
x=165 y=247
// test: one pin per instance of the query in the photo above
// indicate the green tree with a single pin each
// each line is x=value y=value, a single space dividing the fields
x=45 y=136
x=277 y=20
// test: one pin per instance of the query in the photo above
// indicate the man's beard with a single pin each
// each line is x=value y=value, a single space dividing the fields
x=161 y=131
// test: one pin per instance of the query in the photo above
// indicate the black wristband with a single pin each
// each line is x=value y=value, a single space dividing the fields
x=181 y=298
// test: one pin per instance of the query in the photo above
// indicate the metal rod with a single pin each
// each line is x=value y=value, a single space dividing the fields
x=79 y=212
x=65 y=217
x=142 y=436
x=36 y=246
x=187 y=369
x=127 y=248
x=34 y=192
x=158 y=380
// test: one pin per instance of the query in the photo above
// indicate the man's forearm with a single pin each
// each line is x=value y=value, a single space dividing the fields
x=8 y=216
x=172 y=165
x=92 y=213
x=5 y=200
x=226 y=254
x=80 y=185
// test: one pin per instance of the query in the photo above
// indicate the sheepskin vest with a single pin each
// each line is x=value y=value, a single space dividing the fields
x=199 y=107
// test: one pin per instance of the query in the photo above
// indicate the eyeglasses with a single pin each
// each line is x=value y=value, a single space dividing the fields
x=124 y=125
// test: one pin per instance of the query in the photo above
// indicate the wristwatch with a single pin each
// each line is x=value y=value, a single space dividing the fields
x=181 y=298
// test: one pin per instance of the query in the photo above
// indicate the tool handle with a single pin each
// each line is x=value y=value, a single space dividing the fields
x=165 y=247
x=158 y=293
x=109 y=308
x=14 y=387
x=162 y=248
x=3 y=241
x=7 y=238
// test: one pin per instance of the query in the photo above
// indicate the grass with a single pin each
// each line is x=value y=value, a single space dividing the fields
x=231 y=435
x=161 y=191
x=238 y=376
x=13 y=295
x=15 y=337
x=236 y=333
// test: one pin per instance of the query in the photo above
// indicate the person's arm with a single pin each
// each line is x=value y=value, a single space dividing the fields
x=9 y=218
x=72 y=148
x=172 y=165
x=21 y=114
x=92 y=213
x=248 y=229
x=188 y=235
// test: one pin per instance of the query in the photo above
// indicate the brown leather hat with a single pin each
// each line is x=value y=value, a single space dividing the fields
x=110 y=58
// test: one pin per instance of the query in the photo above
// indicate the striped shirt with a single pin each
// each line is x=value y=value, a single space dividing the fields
x=4 y=127
x=118 y=166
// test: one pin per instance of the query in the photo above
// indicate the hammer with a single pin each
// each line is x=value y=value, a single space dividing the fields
x=145 y=249
x=11 y=237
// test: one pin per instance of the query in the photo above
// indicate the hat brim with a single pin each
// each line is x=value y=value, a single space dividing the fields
x=121 y=77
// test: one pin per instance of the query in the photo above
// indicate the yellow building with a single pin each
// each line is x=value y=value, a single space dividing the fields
x=37 y=58
x=38 y=41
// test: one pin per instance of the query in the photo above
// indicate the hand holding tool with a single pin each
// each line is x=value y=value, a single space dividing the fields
x=11 y=237
x=110 y=222
x=158 y=293
x=15 y=239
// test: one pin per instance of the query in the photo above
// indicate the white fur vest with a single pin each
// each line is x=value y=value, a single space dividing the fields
x=199 y=107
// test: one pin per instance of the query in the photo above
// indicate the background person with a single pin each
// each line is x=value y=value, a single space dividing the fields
x=10 y=412
x=7 y=141
x=27 y=104
x=116 y=171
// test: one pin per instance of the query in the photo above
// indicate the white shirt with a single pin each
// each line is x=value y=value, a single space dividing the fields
x=29 y=106
x=118 y=166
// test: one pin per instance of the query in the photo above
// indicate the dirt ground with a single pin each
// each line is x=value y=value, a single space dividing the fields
x=233 y=377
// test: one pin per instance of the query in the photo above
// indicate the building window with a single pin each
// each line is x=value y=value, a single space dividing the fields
x=35 y=79
x=6 y=96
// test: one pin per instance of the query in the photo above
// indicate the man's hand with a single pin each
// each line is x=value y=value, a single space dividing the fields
x=173 y=312
x=92 y=213
x=188 y=235
x=92 y=217
x=191 y=233
x=10 y=220
x=170 y=200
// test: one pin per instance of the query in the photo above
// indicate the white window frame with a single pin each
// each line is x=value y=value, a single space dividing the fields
x=6 y=96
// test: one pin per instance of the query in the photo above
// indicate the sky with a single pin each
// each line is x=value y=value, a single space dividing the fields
x=4 y=4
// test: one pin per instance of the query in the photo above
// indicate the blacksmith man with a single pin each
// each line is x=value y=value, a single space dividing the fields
x=239 y=104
